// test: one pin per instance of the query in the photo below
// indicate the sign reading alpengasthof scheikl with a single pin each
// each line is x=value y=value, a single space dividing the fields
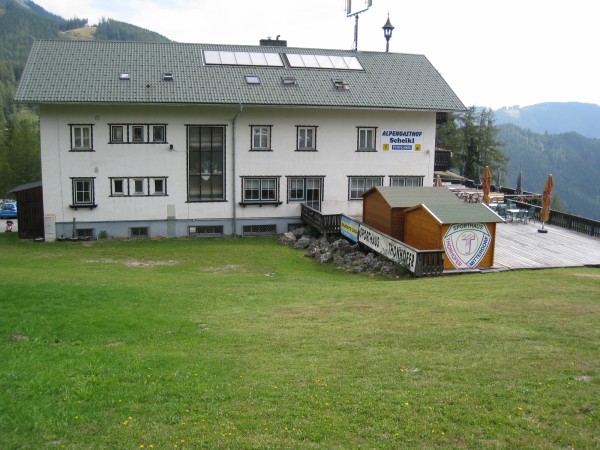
x=390 y=248
x=402 y=140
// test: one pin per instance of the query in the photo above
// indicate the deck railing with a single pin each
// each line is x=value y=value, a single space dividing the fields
x=329 y=224
x=427 y=262
x=557 y=218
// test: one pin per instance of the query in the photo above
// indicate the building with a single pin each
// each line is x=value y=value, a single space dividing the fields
x=170 y=139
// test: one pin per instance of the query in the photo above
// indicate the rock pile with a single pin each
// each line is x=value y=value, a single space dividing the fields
x=344 y=255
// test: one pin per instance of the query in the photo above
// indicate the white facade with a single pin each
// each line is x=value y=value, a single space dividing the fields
x=171 y=212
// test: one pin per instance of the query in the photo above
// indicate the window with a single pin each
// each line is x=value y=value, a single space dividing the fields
x=261 y=137
x=158 y=186
x=119 y=186
x=252 y=79
x=308 y=190
x=206 y=160
x=158 y=133
x=259 y=190
x=116 y=133
x=81 y=137
x=306 y=138
x=366 y=139
x=407 y=181
x=83 y=192
x=137 y=133
x=359 y=185
x=138 y=186
x=138 y=232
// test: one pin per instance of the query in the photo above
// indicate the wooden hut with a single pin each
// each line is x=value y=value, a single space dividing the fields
x=466 y=232
x=30 y=210
x=432 y=218
x=384 y=207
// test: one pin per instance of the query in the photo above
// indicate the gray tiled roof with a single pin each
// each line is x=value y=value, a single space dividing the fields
x=88 y=72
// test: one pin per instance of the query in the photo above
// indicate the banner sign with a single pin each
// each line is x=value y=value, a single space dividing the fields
x=402 y=140
x=466 y=244
x=388 y=247
x=349 y=228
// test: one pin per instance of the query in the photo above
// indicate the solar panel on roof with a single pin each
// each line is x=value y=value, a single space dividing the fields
x=218 y=57
x=323 y=61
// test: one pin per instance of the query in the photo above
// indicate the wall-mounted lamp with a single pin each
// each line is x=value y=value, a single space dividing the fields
x=171 y=147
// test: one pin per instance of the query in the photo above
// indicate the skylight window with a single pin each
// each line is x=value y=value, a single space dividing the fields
x=324 y=61
x=341 y=85
x=168 y=76
x=289 y=81
x=217 y=57
x=252 y=79
x=124 y=76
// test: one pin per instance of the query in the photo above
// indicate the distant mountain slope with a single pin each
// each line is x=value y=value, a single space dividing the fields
x=553 y=118
x=572 y=159
x=22 y=22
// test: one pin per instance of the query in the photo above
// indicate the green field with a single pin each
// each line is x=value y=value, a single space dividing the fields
x=244 y=343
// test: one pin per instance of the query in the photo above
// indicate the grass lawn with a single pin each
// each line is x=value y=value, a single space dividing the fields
x=243 y=343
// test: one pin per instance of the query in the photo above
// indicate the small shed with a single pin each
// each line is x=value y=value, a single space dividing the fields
x=384 y=207
x=466 y=232
x=30 y=210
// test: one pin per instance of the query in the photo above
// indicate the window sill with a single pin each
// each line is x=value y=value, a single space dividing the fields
x=306 y=149
x=76 y=207
x=260 y=203
x=366 y=151
x=261 y=150
x=81 y=150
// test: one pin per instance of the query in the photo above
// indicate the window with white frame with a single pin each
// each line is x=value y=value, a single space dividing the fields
x=158 y=186
x=119 y=186
x=406 y=181
x=308 y=190
x=260 y=137
x=158 y=133
x=358 y=185
x=138 y=186
x=260 y=189
x=116 y=133
x=366 y=139
x=83 y=192
x=138 y=133
x=306 y=138
x=81 y=137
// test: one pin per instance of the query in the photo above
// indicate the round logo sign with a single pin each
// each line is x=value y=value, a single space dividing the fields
x=466 y=244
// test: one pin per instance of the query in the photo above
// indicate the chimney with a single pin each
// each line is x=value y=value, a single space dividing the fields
x=273 y=43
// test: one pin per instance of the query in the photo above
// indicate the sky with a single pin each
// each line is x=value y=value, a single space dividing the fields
x=492 y=53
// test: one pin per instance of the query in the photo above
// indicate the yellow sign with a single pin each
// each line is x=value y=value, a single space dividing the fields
x=386 y=147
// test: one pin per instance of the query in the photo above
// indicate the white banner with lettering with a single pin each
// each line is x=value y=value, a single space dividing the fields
x=388 y=247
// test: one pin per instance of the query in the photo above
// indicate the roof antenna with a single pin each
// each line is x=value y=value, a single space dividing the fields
x=360 y=6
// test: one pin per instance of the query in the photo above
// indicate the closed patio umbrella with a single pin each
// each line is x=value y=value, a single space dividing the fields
x=438 y=181
x=546 y=197
x=486 y=184
x=520 y=183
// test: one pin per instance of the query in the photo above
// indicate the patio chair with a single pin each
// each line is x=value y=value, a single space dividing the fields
x=521 y=216
x=501 y=211
x=530 y=217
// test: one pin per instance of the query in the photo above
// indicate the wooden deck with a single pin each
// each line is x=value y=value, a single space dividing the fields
x=520 y=246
